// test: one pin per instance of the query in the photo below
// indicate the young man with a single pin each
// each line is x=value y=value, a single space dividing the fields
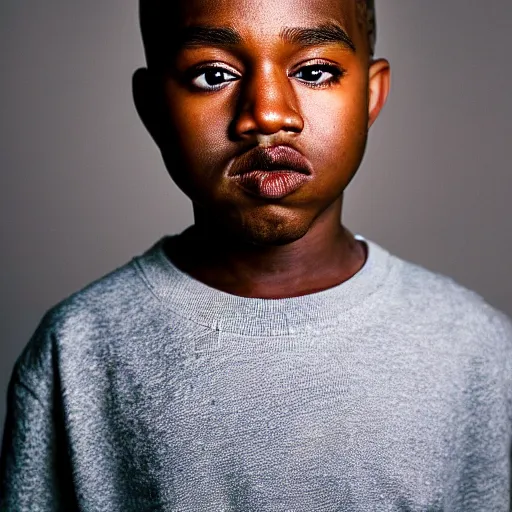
x=266 y=359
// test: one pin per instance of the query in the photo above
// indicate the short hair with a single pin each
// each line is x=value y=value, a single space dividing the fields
x=371 y=21
x=154 y=13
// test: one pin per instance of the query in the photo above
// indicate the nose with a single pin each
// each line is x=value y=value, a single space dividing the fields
x=267 y=104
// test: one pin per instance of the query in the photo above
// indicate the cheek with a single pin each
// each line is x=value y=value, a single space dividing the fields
x=336 y=123
x=187 y=122
x=197 y=144
x=198 y=129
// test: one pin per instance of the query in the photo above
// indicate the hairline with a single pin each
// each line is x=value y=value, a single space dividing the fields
x=151 y=24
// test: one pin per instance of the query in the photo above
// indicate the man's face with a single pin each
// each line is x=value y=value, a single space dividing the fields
x=235 y=97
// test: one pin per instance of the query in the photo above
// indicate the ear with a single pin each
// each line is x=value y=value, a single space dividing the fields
x=378 y=88
x=147 y=97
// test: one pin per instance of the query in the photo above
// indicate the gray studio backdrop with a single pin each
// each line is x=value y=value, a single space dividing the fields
x=83 y=188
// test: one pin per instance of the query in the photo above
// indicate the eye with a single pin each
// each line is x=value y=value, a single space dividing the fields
x=213 y=78
x=319 y=74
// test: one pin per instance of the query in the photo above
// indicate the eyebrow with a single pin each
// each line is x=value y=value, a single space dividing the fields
x=195 y=36
x=325 y=34
x=328 y=33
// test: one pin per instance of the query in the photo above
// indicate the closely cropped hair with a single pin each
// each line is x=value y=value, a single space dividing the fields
x=155 y=16
x=372 y=24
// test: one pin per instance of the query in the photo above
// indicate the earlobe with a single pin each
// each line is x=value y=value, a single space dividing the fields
x=146 y=99
x=378 y=88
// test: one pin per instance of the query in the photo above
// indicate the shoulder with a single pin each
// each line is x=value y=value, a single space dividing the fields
x=439 y=303
x=114 y=295
x=82 y=325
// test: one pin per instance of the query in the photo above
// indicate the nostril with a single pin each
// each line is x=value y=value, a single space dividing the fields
x=294 y=123
x=267 y=120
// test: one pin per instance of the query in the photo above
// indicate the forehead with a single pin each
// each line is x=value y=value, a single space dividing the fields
x=162 y=20
x=278 y=11
x=262 y=14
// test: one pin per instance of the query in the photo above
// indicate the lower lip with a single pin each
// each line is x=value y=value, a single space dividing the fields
x=272 y=184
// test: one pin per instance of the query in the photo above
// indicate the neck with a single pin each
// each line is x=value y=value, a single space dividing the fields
x=326 y=256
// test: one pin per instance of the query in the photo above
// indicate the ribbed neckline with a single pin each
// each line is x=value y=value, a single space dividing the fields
x=221 y=311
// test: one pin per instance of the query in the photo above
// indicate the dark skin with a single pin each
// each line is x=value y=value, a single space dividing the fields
x=318 y=96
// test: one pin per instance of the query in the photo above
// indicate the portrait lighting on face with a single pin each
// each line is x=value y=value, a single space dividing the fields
x=255 y=91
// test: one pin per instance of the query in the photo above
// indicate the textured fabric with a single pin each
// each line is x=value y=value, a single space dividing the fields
x=150 y=391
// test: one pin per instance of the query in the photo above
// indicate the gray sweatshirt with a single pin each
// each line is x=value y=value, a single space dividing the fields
x=150 y=391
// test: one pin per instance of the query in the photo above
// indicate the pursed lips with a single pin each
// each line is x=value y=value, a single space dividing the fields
x=274 y=158
x=271 y=173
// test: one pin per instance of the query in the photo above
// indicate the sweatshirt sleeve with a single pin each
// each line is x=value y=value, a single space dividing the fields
x=35 y=474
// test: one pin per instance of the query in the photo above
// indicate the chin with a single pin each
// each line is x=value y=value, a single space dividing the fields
x=272 y=232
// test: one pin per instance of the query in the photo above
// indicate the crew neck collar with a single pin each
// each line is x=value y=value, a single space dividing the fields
x=189 y=298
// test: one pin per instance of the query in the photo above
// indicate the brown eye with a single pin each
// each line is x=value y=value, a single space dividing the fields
x=213 y=78
x=318 y=74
